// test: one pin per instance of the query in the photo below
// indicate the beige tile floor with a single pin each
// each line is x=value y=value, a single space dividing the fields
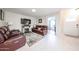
x=52 y=42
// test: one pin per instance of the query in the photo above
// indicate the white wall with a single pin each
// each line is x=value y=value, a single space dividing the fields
x=69 y=26
x=15 y=19
x=44 y=20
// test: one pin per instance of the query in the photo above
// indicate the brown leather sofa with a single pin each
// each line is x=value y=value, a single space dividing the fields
x=40 y=29
x=11 y=40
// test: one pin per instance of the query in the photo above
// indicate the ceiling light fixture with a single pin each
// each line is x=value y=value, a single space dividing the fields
x=33 y=10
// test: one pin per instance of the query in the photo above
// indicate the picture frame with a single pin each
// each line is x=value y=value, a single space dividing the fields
x=40 y=20
x=1 y=14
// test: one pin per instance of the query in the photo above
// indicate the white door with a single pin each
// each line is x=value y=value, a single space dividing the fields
x=71 y=24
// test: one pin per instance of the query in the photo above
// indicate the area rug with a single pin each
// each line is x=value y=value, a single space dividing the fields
x=33 y=38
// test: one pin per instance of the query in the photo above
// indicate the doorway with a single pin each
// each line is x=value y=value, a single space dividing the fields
x=52 y=23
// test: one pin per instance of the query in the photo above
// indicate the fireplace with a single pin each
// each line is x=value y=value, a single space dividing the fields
x=26 y=24
x=26 y=30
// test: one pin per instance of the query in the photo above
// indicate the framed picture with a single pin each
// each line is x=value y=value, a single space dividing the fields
x=40 y=20
x=1 y=15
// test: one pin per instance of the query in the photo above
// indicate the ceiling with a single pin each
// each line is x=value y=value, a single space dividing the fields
x=28 y=11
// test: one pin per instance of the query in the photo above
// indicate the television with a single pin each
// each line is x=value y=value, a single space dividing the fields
x=25 y=21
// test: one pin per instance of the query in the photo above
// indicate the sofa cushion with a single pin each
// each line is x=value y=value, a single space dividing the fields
x=5 y=32
x=2 y=39
x=2 y=30
x=5 y=28
x=6 y=36
x=8 y=33
x=39 y=28
x=14 y=33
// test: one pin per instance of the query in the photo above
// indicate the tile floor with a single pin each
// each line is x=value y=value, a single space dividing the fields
x=52 y=42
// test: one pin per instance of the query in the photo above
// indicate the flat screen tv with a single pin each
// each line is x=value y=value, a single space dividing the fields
x=24 y=21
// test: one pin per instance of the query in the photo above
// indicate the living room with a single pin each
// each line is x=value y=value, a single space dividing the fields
x=17 y=20
x=38 y=30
